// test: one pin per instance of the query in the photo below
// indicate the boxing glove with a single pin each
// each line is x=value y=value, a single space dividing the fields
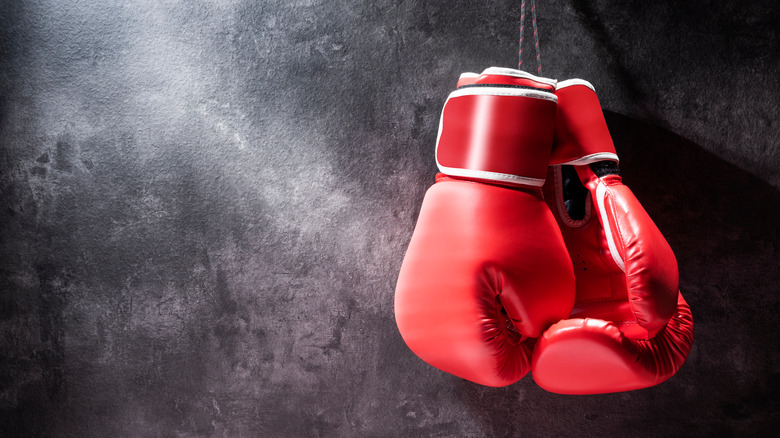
x=630 y=327
x=486 y=269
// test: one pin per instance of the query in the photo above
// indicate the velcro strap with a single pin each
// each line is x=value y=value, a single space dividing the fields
x=497 y=133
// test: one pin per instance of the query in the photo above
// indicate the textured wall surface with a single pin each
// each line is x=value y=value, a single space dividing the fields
x=205 y=206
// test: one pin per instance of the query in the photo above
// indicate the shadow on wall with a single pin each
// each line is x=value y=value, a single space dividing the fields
x=724 y=225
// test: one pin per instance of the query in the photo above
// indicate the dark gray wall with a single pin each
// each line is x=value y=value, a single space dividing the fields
x=205 y=206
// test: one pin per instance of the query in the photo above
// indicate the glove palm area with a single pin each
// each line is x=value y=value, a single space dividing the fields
x=630 y=327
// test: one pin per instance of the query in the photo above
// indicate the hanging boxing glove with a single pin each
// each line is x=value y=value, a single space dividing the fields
x=630 y=327
x=486 y=270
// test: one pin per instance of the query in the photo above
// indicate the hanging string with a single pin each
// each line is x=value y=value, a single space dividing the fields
x=536 y=36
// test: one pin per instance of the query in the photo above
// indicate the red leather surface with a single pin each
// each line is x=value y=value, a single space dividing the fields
x=630 y=327
x=628 y=330
x=580 y=129
x=593 y=356
x=651 y=274
x=478 y=249
x=481 y=132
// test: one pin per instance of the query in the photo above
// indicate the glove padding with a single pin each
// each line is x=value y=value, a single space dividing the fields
x=487 y=270
x=630 y=327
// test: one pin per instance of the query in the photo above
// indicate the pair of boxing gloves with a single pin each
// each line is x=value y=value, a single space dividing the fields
x=529 y=254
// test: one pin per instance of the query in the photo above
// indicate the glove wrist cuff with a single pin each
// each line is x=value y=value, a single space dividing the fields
x=581 y=133
x=498 y=127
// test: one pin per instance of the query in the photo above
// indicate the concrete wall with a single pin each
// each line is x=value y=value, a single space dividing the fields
x=205 y=206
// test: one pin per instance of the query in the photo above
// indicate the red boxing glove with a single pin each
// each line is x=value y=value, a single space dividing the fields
x=630 y=327
x=487 y=269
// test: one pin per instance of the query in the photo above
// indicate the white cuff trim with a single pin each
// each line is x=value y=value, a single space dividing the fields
x=493 y=176
x=592 y=158
x=570 y=82
x=503 y=71
x=601 y=192
x=503 y=91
